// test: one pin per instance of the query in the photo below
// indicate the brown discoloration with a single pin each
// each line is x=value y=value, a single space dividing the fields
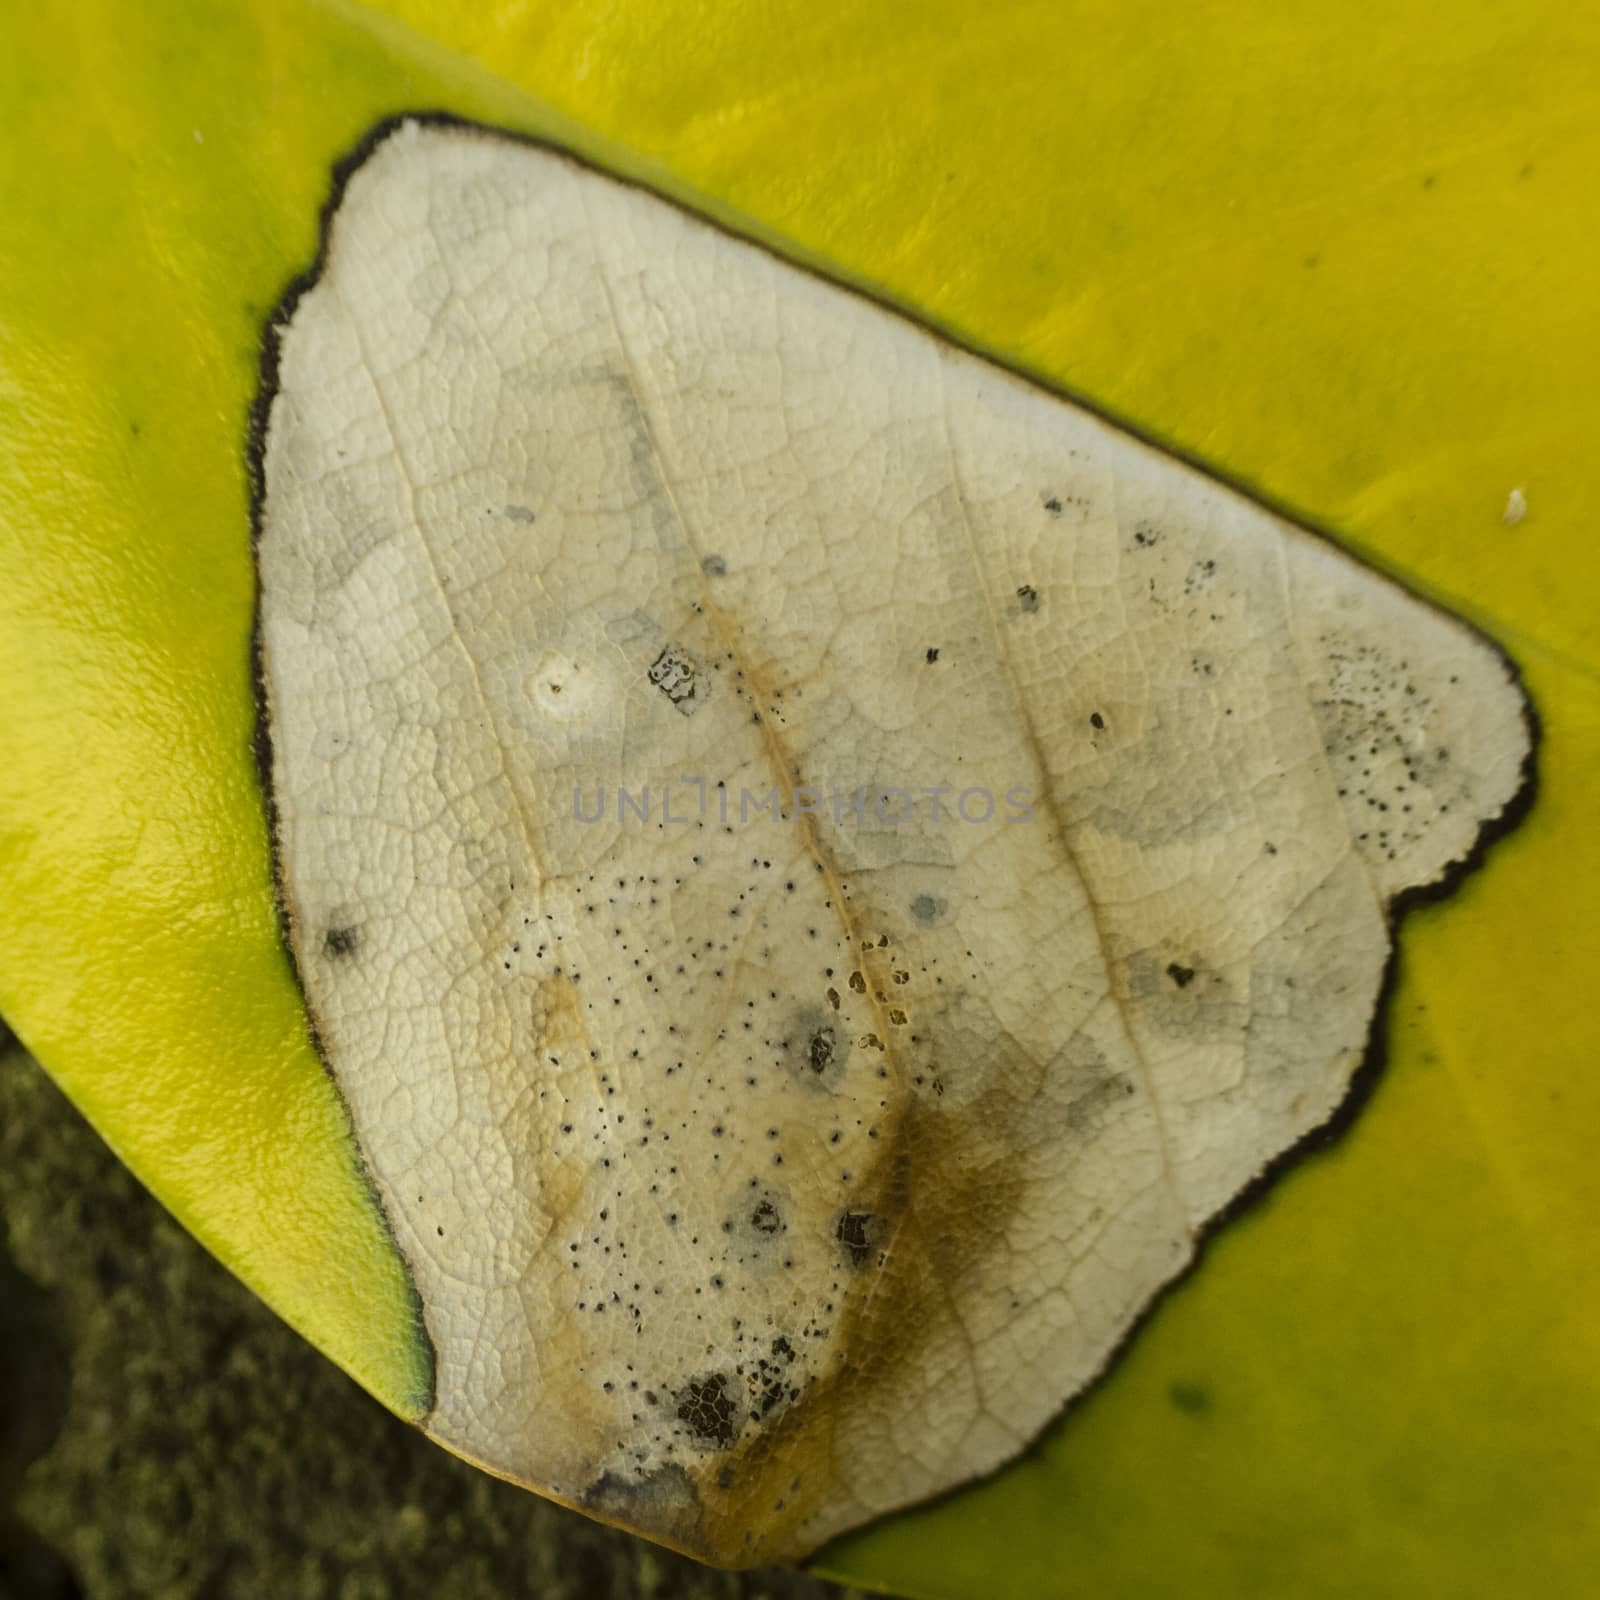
x=942 y=1189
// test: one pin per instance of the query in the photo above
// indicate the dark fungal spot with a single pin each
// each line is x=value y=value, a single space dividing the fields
x=819 y=1052
x=706 y=1408
x=857 y=1232
x=678 y=676
x=755 y=1226
x=769 y=1380
x=1181 y=975
x=814 y=1049
x=1096 y=721
x=1194 y=1399
x=341 y=942
x=1052 y=505
x=1028 y=598
x=714 y=567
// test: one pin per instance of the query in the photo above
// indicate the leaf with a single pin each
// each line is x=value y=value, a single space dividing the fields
x=1340 y=258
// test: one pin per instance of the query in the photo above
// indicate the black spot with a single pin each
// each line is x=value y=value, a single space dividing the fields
x=770 y=1378
x=1146 y=534
x=1053 y=506
x=1180 y=975
x=1192 y=1398
x=857 y=1231
x=678 y=676
x=1029 y=597
x=819 y=1053
x=933 y=654
x=714 y=567
x=814 y=1050
x=706 y=1408
x=341 y=942
x=1096 y=721
x=766 y=1218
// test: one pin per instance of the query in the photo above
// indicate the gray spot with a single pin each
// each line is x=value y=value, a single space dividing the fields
x=714 y=567
x=1161 y=791
x=1180 y=995
x=816 y=1048
x=522 y=514
x=1071 y=1097
x=927 y=909
x=668 y=1487
x=757 y=1227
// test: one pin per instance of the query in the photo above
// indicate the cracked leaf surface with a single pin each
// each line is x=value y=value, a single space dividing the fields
x=763 y=1169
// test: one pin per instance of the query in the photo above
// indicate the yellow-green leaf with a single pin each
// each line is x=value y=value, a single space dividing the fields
x=1340 y=255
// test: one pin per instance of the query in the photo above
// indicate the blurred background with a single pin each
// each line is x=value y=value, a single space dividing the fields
x=163 y=1436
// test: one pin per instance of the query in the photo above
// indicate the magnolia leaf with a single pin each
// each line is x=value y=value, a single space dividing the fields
x=1339 y=257
x=818 y=868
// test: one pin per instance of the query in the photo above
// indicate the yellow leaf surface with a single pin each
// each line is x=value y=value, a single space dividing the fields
x=1340 y=256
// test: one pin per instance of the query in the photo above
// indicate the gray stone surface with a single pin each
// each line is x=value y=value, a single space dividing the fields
x=164 y=1437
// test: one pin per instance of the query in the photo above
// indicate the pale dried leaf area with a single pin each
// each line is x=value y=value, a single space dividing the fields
x=818 y=866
